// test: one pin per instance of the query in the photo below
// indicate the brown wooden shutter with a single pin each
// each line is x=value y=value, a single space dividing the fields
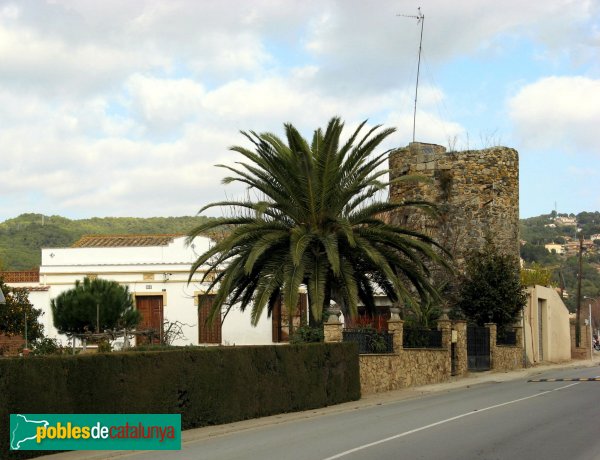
x=208 y=333
x=276 y=322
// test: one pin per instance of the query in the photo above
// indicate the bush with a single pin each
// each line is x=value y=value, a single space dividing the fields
x=104 y=347
x=207 y=386
x=46 y=346
x=369 y=340
x=308 y=334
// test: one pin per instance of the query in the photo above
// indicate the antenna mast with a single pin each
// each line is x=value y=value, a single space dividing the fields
x=420 y=17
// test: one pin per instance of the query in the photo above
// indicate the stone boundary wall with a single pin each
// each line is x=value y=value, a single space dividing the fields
x=379 y=373
x=408 y=367
x=425 y=366
x=505 y=357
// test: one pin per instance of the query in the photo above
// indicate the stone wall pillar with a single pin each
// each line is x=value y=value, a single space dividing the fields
x=396 y=327
x=493 y=334
x=462 y=363
x=333 y=330
x=445 y=325
x=519 y=335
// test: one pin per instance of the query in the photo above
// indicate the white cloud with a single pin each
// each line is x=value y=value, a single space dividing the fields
x=55 y=68
x=123 y=108
x=559 y=112
x=165 y=103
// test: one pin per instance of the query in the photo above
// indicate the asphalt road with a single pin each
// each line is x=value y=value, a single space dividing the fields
x=489 y=419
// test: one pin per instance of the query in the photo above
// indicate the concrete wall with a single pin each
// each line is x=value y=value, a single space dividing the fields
x=554 y=344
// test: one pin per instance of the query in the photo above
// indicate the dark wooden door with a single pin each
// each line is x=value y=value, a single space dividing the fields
x=208 y=333
x=151 y=309
x=281 y=319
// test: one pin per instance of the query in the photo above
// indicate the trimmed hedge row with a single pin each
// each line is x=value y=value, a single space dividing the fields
x=207 y=386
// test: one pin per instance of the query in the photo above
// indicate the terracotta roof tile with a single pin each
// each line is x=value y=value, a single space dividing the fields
x=115 y=241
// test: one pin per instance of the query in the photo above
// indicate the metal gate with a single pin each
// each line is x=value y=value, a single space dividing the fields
x=478 y=348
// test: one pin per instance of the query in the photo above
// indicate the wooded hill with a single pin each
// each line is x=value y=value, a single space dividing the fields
x=22 y=238
x=535 y=232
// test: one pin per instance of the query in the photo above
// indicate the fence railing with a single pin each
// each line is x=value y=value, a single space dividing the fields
x=506 y=337
x=421 y=338
x=370 y=341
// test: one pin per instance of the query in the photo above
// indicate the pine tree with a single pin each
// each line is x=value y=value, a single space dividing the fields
x=94 y=304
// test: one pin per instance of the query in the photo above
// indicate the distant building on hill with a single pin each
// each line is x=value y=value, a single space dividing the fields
x=566 y=221
x=557 y=248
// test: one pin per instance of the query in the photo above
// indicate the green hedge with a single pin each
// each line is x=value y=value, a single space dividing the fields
x=207 y=386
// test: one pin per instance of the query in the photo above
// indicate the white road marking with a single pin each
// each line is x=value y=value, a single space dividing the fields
x=441 y=422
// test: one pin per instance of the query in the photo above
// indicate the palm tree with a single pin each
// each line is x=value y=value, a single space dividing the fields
x=317 y=222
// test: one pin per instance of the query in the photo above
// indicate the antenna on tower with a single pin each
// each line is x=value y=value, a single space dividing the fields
x=420 y=17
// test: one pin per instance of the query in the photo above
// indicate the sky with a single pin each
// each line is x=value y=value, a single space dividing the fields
x=123 y=108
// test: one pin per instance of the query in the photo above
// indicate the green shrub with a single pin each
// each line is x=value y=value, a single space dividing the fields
x=377 y=343
x=46 y=346
x=308 y=334
x=104 y=347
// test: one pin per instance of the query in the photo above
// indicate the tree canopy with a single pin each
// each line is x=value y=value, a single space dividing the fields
x=317 y=221
x=17 y=312
x=492 y=291
x=75 y=311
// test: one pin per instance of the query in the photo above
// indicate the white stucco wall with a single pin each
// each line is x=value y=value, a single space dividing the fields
x=237 y=329
x=148 y=270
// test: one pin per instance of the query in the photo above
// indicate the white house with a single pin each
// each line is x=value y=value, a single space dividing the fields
x=156 y=270
x=558 y=248
x=565 y=220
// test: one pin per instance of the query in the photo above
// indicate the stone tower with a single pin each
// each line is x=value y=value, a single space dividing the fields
x=477 y=193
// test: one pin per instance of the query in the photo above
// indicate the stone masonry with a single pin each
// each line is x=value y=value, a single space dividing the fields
x=407 y=367
x=477 y=193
